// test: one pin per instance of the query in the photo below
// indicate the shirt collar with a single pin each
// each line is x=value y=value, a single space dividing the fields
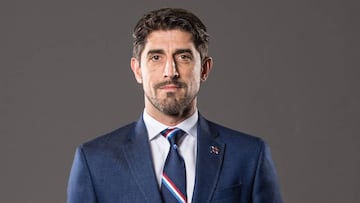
x=154 y=127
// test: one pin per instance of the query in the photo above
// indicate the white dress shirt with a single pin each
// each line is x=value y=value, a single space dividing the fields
x=160 y=147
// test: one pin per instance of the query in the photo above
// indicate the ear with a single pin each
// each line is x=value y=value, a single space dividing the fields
x=135 y=67
x=206 y=68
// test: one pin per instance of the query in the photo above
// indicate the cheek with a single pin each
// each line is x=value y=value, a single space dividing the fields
x=194 y=77
x=194 y=82
x=148 y=83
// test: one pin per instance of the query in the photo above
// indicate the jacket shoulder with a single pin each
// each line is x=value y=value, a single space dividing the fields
x=119 y=135
x=232 y=133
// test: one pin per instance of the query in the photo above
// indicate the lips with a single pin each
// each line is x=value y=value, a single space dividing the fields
x=170 y=85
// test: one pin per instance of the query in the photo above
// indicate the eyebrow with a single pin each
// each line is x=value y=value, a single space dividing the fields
x=177 y=51
x=155 y=51
x=181 y=51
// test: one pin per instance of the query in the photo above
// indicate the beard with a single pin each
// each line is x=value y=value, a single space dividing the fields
x=170 y=104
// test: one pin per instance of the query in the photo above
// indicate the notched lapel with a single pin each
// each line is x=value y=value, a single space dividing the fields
x=138 y=155
x=209 y=161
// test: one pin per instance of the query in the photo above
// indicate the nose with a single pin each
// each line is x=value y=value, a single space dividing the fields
x=170 y=69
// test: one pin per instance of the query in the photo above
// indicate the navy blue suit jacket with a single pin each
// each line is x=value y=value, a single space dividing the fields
x=117 y=167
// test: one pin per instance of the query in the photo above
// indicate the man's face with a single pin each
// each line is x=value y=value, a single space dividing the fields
x=170 y=70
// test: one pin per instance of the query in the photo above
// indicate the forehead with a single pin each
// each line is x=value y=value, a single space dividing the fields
x=169 y=39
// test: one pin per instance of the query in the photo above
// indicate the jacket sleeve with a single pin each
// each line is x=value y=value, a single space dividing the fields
x=266 y=186
x=80 y=188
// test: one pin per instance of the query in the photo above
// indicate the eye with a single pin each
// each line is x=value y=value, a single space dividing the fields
x=185 y=58
x=155 y=58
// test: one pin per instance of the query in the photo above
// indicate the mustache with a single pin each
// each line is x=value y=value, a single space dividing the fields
x=170 y=82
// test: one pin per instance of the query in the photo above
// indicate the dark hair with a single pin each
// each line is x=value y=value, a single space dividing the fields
x=169 y=19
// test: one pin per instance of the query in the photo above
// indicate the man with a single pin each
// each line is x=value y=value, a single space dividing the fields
x=205 y=163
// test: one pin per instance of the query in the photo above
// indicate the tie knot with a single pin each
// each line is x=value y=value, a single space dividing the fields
x=173 y=135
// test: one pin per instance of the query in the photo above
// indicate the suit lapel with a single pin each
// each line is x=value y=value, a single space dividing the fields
x=138 y=155
x=208 y=164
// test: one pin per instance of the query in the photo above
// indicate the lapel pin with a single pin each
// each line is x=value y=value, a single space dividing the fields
x=214 y=150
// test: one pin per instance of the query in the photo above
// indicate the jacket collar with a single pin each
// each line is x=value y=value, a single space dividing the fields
x=138 y=155
x=210 y=152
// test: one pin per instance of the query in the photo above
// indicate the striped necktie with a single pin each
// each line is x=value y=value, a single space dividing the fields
x=173 y=187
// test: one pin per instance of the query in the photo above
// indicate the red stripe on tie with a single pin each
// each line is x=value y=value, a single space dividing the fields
x=168 y=132
x=174 y=189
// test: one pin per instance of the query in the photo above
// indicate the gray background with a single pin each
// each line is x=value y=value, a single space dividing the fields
x=286 y=71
